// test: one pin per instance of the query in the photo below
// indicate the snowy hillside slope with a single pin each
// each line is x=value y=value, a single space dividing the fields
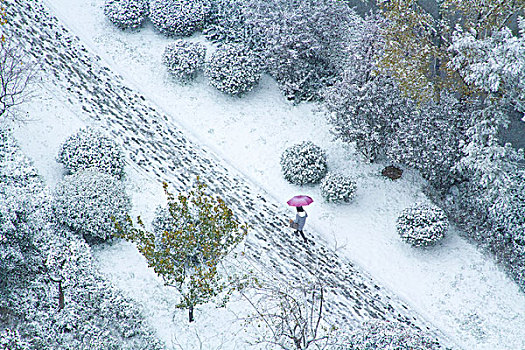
x=166 y=153
x=453 y=285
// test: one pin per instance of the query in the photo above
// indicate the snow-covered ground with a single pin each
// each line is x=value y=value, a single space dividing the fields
x=453 y=285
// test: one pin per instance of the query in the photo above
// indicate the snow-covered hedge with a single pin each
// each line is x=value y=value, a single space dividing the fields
x=126 y=13
x=304 y=163
x=178 y=17
x=87 y=201
x=233 y=69
x=379 y=334
x=184 y=59
x=91 y=149
x=338 y=188
x=422 y=224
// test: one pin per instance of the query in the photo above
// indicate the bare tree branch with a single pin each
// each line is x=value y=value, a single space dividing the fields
x=293 y=314
x=16 y=73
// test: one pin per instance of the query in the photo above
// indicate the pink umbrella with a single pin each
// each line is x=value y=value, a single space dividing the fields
x=300 y=201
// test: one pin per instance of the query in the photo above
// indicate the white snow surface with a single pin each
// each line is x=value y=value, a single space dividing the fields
x=453 y=285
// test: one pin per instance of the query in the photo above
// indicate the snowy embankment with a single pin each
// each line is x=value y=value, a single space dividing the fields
x=453 y=285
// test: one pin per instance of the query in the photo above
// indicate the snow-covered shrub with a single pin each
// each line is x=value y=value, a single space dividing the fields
x=126 y=13
x=338 y=188
x=178 y=17
x=20 y=219
x=184 y=58
x=10 y=340
x=422 y=224
x=227 y=22
x=87 y=201
x=91 y=149
x=233 y=69
x=22 y=210
x=304 y=163
x=15 y=168
x=379 y=334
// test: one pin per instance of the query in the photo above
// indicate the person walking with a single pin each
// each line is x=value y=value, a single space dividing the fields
x=300 y=217
x=300 y=220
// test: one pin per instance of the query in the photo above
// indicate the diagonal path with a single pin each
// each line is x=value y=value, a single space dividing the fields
x=165 y=152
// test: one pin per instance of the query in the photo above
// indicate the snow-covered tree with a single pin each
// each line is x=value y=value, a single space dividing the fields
x=417 y=39
x=178 y=17
x=11 y=340
x=338 y=188
x=422 y=225
x=187 y=253
x=233 y=69
x=184 y=59
x=302 y=42
x=304 y=163
x=428 y=139
x=365 y=112
x=126 y=14
x=494 y=64
x=379 y=334
x=89 y=148
x=20 y=219
x=22 y=210
x=71 y=306
x=87 y=202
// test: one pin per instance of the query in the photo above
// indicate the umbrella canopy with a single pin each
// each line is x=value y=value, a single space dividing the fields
x=300 y=201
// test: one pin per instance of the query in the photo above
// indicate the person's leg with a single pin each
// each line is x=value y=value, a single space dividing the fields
x=302 y=234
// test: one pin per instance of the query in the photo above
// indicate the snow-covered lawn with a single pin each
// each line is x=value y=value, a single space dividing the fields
x=453 y=285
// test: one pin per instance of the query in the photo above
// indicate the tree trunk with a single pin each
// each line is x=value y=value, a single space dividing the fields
x=190 y=312
x=60 y=296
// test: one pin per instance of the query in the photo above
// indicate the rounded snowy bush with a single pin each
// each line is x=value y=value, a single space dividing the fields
x=88 y=200
x=178 y=17
x=304 y=163
x=422 y=225
x=184 y=58
x=91 y=149
x=126 y=13
x=338 y=188
x=379 y=334
x=233 y=69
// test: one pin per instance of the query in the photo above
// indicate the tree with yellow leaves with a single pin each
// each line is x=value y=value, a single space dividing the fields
x=191 y=237
x=417 y=40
